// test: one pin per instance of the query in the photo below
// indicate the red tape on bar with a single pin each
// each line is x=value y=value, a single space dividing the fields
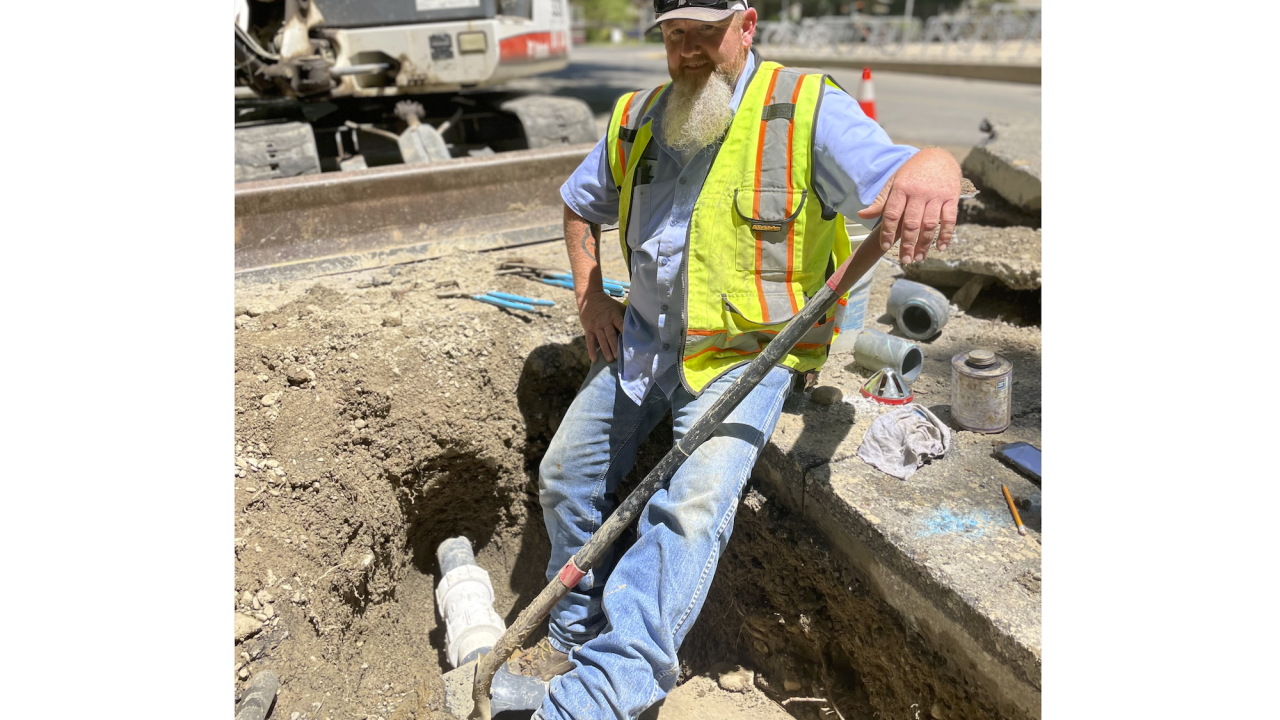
x=570 y=574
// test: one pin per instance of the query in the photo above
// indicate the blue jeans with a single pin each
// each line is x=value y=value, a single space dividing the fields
x=624 y=622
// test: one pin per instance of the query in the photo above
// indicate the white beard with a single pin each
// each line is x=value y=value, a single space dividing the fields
x=697 y=116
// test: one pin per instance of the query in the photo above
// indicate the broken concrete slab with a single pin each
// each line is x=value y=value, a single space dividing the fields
x=1008 y=162
x=1008 y=254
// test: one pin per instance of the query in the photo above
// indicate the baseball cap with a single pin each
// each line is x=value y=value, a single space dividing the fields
x=708 y=10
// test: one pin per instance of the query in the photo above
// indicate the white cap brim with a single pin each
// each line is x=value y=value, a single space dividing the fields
x=692 y=12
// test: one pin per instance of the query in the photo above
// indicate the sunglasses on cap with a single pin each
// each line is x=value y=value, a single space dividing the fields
x=665 y=6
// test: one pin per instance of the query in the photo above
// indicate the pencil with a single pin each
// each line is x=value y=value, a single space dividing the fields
x=1012 y=508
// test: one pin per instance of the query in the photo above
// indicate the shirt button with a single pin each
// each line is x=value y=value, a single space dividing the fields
x=666 y=346
x=682 y=180
x=664 y=308
x=662 y=261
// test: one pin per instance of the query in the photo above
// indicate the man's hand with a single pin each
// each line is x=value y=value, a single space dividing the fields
x=921 y=196
x=600 y=315
x=601 y=318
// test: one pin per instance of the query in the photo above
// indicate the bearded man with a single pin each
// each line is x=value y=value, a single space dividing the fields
x=730 y=186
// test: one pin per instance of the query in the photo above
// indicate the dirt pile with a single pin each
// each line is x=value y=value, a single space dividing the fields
x=371 y=423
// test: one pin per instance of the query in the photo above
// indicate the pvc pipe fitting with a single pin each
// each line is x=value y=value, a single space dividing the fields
x=918 y=310
x=874 y=350
x=465 y=601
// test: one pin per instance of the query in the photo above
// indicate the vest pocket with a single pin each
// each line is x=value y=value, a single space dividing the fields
x=749 y=331
x=762 y=223
x=752 y=320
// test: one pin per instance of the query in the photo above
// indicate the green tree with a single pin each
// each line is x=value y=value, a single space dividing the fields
x=601 y=15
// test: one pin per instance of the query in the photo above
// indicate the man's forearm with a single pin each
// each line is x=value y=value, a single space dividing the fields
x=582 y=240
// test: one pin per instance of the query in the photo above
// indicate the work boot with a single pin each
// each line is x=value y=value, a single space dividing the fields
x=542 y=661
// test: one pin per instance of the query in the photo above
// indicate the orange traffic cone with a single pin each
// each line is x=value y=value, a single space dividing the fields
x=867 y=94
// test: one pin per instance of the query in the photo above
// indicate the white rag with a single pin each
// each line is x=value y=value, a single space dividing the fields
x=899 y=441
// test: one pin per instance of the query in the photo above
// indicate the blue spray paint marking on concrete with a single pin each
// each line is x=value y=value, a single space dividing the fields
x=943 y=521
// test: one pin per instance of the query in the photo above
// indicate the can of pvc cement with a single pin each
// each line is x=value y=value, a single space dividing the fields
x=851 y=310
x=981 y=391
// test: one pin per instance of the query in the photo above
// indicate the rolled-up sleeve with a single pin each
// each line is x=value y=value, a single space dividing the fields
x=590 y=191
x=853 y=156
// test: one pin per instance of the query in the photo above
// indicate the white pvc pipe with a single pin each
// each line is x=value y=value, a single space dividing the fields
x=465 y=601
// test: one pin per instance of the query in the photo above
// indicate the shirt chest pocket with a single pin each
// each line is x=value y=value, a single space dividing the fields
x=763 y=218
x=641 y=204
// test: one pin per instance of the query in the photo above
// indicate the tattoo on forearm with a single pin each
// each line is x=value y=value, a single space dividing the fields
x=590 y=241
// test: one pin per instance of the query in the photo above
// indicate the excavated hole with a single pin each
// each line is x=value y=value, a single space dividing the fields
x=782 y=603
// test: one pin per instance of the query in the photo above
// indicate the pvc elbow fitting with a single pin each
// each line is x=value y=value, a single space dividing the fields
x=918 y=310
x=464 y=599
x=875 y=350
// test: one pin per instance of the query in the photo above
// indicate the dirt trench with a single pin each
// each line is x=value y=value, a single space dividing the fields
x=374 y=420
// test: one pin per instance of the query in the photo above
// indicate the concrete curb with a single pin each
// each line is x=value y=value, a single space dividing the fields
x=946 y=585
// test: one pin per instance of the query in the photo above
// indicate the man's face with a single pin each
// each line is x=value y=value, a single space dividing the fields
x=695 y=48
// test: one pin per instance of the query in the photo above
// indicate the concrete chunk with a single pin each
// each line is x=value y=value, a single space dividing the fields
x=458 y=684
x=1008 y=162
x=246 y=627
x=1008 y=254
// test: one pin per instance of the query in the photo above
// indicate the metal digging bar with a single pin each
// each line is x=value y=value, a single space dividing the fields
x=853 y=268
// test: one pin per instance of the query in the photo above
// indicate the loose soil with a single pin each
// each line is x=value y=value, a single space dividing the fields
x=374 y=420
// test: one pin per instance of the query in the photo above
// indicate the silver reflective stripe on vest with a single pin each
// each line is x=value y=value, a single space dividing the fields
x=774 y=198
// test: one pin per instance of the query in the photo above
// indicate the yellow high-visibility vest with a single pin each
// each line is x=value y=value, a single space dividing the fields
x=759 y=243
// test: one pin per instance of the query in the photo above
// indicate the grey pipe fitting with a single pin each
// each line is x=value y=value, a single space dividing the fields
x=918 y=310
x=874 y=350
x=454 y=552
x=515 y=693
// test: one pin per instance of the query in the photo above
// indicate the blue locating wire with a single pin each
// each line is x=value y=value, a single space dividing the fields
x=614 y=290
x=566 y=276
x=558 y=283
x=520 y=298
x=502 y=303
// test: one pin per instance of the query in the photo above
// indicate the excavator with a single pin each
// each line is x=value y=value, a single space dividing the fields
x=336 y=85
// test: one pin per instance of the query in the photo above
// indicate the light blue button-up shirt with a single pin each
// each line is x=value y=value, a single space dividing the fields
x=852 y=159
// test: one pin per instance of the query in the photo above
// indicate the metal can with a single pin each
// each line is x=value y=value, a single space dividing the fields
x=981 y=391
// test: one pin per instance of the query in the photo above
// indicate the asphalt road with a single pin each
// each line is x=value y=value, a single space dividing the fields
x=913 y=109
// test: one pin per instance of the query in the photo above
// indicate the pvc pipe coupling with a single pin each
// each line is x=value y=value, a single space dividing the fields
x=874 y=350
x=465 y=601
x=918 y=310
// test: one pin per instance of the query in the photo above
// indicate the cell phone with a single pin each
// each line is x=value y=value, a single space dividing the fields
x=1023 y=457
